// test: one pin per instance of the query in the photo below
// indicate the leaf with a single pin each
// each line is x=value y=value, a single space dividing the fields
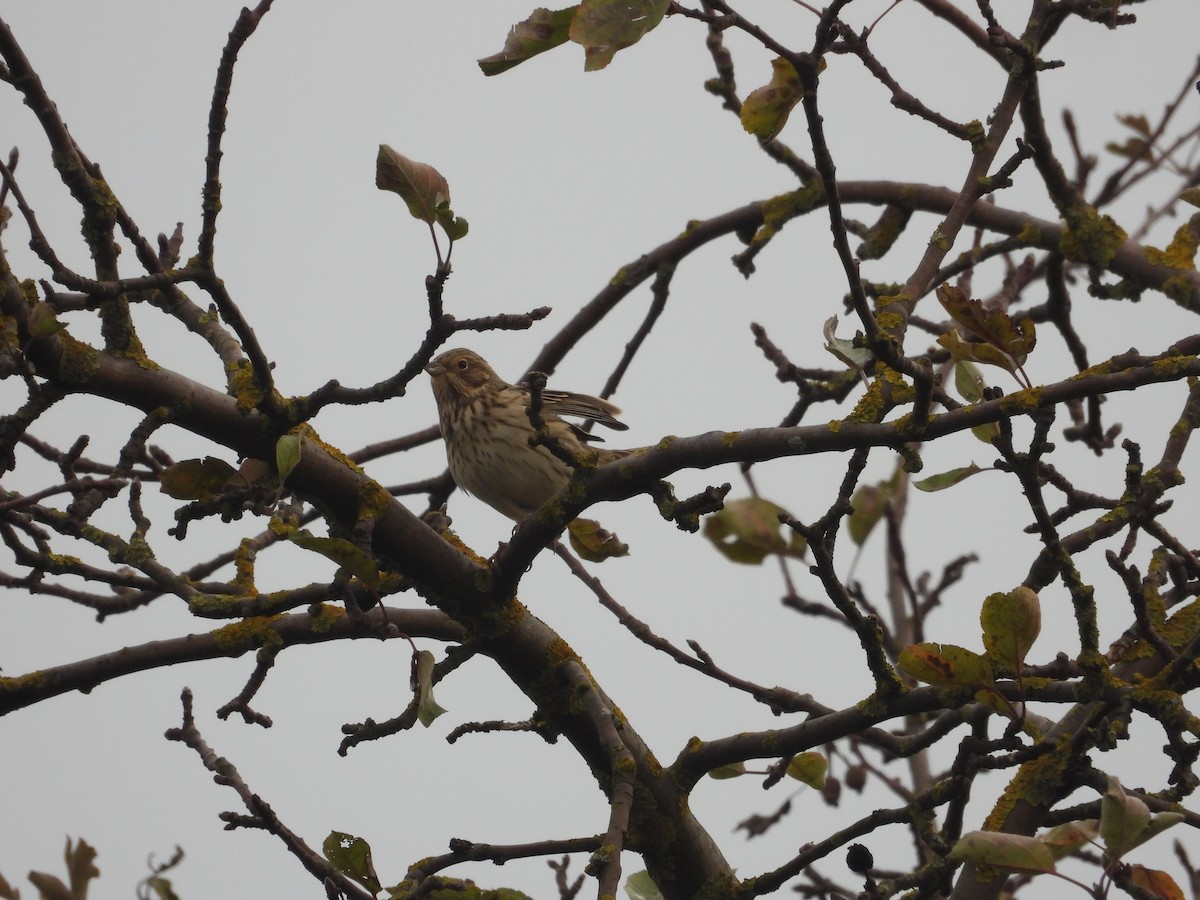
x=602 y=27
x=544 y=30
x=7 y=891
x=427 y=708
x=41 y=321
x=809 y=768
x=945 y=665
x=456 y=228
x=353 y=559
x=1063 y=840
x=1005 y=342
x=968 y=381
x=748 y=531
x=1155 y=881
x=50 y=887
x=1003 y=851
x=351 y=856
x=254 y=470
x=592 y=542
x=733 y=770
x=420 y=186
x=1130 y=148
x=196 y=479
x=1191 y=195
x=1137 y=123
x=869 y=502
x=766 y=109
x=1011 y=623
x=81 y=866
x=975 y=351
x=856 y=358
x=1159 y=822
x=161 y=886
x=639 y=886
x=1122 y=819
x=986 y=432
x=288 y=450
x=946 y=479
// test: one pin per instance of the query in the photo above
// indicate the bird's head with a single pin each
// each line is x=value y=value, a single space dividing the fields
x=460 y=372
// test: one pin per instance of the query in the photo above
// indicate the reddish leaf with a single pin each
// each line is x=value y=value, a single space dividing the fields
x=1003 y=341
x=420 y=186
x=945 y=665
x=1155 y=881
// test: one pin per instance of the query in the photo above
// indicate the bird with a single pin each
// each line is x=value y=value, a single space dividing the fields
x=485 y=425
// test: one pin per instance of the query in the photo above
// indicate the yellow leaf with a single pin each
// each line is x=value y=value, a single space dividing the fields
x=766 y=109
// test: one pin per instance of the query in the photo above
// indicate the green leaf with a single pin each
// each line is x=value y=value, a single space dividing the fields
x=420 y=186
x=969 y=381
x=196 y=479
x=733 y=770
x=640 y=886
x=456 y=228
x=809 y=768
x=1123 y=819
x=351 y=856
x=1160 y=822
x=592 y=542
x=748 y=531
x=544 y=30
x=1011 y=623
x=427 y=708
x=766 y=109
x=986 y=432
x=349 y=557
x=41 y=321
x=287 y=454
x=602 y=27
x=946 y=479
x=869 y=502
x=1003 y=851
x=945 y=665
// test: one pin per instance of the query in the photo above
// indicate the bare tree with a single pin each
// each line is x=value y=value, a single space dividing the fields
x=992 y=285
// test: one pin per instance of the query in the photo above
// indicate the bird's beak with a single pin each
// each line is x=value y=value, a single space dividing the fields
x=435 y=369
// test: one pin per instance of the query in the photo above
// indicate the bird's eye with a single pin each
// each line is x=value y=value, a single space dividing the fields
x=463 y=364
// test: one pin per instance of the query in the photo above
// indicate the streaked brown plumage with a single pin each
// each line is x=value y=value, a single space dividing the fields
x=485 y=426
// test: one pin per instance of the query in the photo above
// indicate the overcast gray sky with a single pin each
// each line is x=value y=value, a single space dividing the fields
x=565 y=176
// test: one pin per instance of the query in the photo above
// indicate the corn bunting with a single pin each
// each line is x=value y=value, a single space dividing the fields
x=486 y=429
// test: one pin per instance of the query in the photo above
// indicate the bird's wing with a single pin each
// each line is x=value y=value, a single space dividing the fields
x=564 y=403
